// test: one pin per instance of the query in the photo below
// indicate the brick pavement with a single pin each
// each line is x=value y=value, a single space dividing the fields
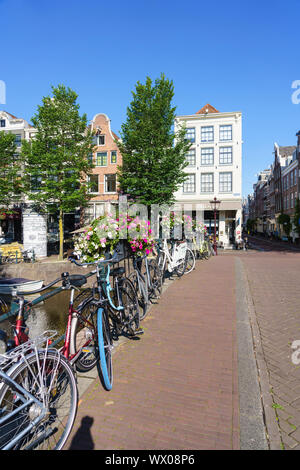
x=273 y=278
x=177 y=387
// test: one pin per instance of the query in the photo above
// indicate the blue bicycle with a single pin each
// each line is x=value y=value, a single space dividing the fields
x=117 y=310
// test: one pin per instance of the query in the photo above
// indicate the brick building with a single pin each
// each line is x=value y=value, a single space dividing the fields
x=106 y=157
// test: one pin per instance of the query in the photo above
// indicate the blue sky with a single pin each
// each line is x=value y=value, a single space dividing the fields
x=237 y=56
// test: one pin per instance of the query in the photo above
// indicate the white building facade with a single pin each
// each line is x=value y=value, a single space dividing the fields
x=214 y=170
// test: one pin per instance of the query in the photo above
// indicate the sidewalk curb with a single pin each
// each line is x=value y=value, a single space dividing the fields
x=269 y=413
x=252 y=427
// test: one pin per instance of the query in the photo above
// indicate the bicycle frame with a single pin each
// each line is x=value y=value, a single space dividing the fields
x=26 y=399
x=173 y=258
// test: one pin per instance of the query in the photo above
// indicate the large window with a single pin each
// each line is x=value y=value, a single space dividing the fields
x=226 y=132
x=189 y=185
x=100 y=139
x=207 y=156
x=190 y=134
x=225 y=156
x=110 y=183
x=207 y=182
x=101 y=159
x=191 y=157
x=2 y=122
x=94 y=183
x=207 y=134
x=225 y=182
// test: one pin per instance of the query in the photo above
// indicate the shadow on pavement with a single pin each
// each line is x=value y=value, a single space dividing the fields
x=83 y=437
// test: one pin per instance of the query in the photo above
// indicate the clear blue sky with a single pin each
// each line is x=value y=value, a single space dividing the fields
x=238 y=56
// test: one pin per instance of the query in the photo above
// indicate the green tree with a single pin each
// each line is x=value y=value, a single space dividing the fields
x=285 y=221
x=296 y=217
x=153 y=156
x=10 y=181
x=57 y=159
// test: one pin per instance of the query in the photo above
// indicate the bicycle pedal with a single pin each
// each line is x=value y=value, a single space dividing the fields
x=139 y=331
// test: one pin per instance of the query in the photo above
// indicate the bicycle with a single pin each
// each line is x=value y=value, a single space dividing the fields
x=81 y=330
x=112 y=320
x=175 y=260
x=148 y=285
x=38 y=397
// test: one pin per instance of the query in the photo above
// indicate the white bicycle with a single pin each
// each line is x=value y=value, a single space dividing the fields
x=172 y=259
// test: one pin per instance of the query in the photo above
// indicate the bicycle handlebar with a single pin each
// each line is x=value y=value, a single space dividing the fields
x=110 y=260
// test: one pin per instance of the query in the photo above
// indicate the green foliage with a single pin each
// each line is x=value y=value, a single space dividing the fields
x=250 y=224
x=297 y=217
x=285 y=221
x=56 y=159
x=153 y=156
x=10 y=182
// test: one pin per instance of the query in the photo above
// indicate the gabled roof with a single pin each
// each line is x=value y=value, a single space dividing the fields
x=207 y=109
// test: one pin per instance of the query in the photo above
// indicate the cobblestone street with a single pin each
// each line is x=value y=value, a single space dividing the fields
x=214 y=368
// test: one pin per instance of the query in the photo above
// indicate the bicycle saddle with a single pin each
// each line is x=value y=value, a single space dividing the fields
x=117 y=271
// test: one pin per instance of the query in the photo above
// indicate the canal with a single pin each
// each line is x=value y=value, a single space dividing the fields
x=48 y=315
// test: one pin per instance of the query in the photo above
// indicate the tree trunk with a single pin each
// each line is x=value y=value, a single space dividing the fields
x=61 y=235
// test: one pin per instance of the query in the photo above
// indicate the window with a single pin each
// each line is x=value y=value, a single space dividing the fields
x=100 y=139
x=2 y=123
x=189 y=185
x=191 y=157
x=226 y=132
x=225 y=182
x=18 y=140
x=207 y=156
x=113 y=156
x=110 y=183
x=101 y=159
x=94 y=183
x=190 y=134
x=225 y=156
x=207 y=134
x=90 y=158
x=292 y=200
x=207 y=182
x=36 y=183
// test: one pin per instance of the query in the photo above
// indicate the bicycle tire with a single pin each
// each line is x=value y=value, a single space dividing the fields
x=156 y=279
x=104 y=364
x=84 y=335
x=140 y=294
x=190 y=261
x=129 y=300
x=52 y=432
x=180 y=269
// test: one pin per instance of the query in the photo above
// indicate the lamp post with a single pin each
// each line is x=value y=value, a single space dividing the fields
x=215 y=205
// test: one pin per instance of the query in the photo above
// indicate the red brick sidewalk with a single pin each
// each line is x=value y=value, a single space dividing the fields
x=176 y=388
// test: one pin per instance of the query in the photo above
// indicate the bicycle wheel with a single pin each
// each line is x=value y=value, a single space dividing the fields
x=104 y=346
x=49 y=377
x=129 y=300
x=161 y=265
x=180 y=269
x=84 y=335
x=140 y=294
x=156 y=279
x=190 y=261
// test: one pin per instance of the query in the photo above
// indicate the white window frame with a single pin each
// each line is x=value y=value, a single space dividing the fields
x=105 y=183
x=224 y=153
x=204 y=176
x=205 y=132
x=205 y=153
x=222 y=132
x=187 y=183
x=225 y=183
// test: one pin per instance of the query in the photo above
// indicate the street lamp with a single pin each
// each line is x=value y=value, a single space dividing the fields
x=215 y=205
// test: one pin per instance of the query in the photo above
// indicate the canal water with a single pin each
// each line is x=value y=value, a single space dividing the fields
x=48 y=315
